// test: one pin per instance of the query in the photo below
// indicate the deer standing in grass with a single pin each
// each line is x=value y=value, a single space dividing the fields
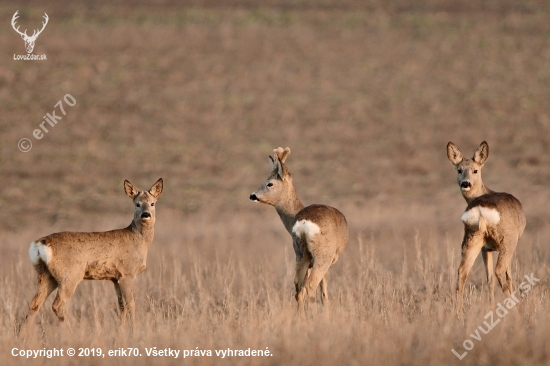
x=319 y=233
x=64 y=259
x=493 y=221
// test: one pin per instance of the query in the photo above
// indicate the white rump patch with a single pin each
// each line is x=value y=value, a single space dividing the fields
x=307 y=228
x=472 y=216
x=38 y=251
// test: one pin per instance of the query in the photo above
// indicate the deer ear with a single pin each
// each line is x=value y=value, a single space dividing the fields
x=482 y=153
x=278 y=158
x=156 y=189
x=274 y=160
x=280 y=170
x=454 y=155
x=131 y=190
x=277 y=161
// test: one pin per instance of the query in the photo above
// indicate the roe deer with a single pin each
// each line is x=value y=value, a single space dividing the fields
x=319 y=233
x=64 y=259
x=493 y=221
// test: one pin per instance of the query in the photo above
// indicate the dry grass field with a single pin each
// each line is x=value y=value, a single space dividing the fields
x=366 y=94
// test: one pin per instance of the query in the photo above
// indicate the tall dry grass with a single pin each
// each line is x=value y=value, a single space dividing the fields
x=229 y=284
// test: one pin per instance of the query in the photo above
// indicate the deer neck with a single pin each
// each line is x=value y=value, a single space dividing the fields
x=473 y=194
x=146 y=232
x=288 y=207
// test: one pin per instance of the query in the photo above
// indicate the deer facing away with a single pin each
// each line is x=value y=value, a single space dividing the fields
x=493 y=221
x=319 y=233
x=64 y=259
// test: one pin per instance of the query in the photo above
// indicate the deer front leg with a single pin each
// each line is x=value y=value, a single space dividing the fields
x=119 y=295
x=126 y=287
x=471 y=246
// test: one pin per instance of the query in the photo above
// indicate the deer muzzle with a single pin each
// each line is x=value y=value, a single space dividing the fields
x=465 y=185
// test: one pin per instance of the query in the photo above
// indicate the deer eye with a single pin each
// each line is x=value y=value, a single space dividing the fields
x=459 y=171
x=475 y=171
x=152 y=204
x=270 y=184
x=137 y=204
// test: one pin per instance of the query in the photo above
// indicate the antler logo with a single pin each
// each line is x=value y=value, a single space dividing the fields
x=29 y=41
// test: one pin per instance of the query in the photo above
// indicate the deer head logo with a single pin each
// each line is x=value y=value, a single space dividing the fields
x=29 y=41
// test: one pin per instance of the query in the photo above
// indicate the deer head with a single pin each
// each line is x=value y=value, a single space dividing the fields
x=29 y=41
x=276 y=186
x=469 y=170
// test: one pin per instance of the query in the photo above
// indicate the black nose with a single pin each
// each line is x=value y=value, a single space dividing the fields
x=145 y=215
x=465 y=184
x=253 y=197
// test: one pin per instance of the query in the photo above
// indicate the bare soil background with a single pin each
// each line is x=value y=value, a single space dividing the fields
x=366 y=95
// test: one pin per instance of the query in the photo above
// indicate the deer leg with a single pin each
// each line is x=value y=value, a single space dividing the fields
x=302 y=269
x=126 y=287
x=119 y=295
x=324 y=291
x=503 y=273
x=324 y=295
x=471 y=246
x=489 y=270
x=309 y=289
x=46 y=285
x=503 y=269
x=64 y=292
x=509 y=278
x=303 y=261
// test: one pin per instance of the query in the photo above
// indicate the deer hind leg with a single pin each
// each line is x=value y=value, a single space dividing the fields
x=64 y=292
x=126 y=287
x=504 y=272
x=488 y=261
x=302 y=272
x=471 y=246
x=509 y=277
x=503 y=269
x=308 y=291
x=324 y=291
x=46 y=285
x=324 y=295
